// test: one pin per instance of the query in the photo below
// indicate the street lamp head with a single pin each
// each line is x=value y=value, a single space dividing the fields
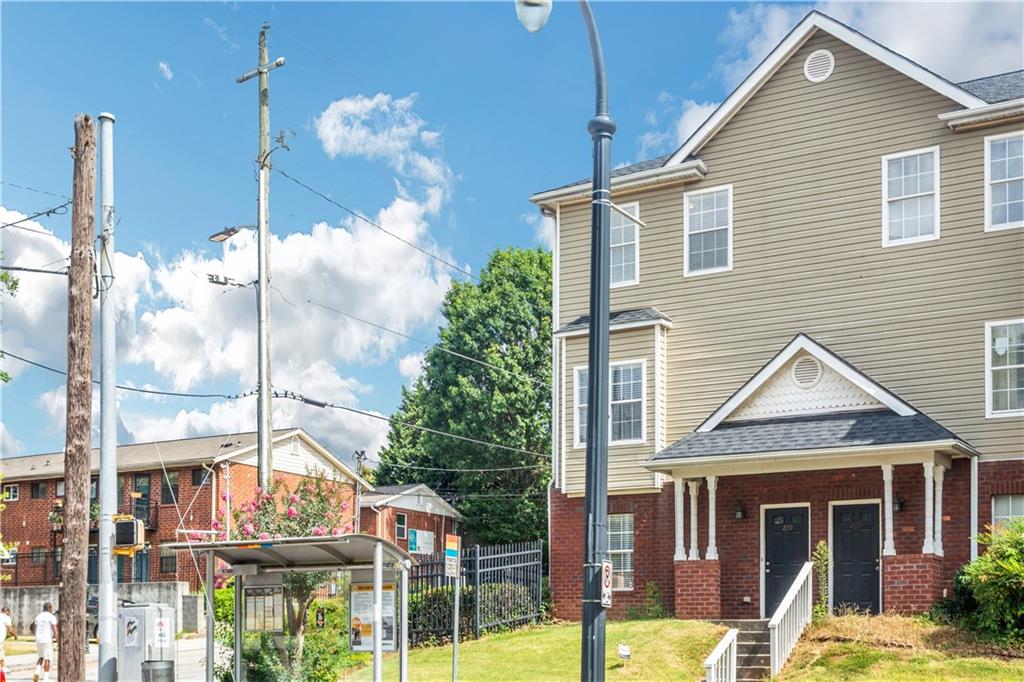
x=226 y=234
x=533 y=14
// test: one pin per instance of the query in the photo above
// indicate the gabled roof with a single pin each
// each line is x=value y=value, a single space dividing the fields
x=1001 y=87
x=804 y=343
x=816 y=21
x=404 y=496
x=618 y=319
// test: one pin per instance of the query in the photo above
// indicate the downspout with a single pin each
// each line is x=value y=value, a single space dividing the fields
x=974 y=507
x=227 y=498
x=213 y=491
x=357 y=512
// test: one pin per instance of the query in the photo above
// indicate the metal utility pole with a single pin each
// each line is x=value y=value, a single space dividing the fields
x=77 y=454
x=262 y=70
x=107 y=582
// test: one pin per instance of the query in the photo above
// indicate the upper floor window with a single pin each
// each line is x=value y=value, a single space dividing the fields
x=11 y=557
x=620 y=550
x=169 y=487
x=910 y=197
x=625 y=247
x=707 y=228
x=1004 y=368
x=627 y=403
x=199 y=477
x=1004 y=181
x=11 y=492
x=60 y=488
x=38 y=490
x=401 y=526
x=1006 y=508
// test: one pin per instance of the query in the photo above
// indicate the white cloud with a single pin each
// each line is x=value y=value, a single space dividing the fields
x=229 y=44
x=678 y=119
x=9 y=445
x=543 y=228
x=411 y=366
x=165 y=70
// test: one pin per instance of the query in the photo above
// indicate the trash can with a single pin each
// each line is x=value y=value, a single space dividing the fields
x=158 y=671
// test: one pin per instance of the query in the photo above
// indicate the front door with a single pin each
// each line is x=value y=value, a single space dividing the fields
x=785 y=552
x=855 y=557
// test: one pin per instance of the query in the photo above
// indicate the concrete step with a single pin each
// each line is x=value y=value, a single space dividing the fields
x=753 y=638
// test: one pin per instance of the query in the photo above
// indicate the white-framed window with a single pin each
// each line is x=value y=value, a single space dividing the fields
x=401 y=526
x=1004 y=368
x=620 y=550
x=625 y=247
x=1004 y=181
x=11 y=492
x=60 y=488
x=910 y=197
x=11 y=557
x=1006 y=508
x=627 y=408
x=707 y=231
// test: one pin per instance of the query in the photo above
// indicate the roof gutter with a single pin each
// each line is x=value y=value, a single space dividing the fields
x=688 y=170
x=975 y=117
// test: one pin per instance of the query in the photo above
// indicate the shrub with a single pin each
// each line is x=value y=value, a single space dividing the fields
x=961 y=607
x=430 y=613
x=325 y=652
x=996 y=580
x=820 y=558
x=652 y=608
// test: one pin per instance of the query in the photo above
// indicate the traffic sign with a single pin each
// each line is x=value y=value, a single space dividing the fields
x=452 y=547
x=606 y=583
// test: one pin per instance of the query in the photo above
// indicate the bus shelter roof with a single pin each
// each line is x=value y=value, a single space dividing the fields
x=306 y=553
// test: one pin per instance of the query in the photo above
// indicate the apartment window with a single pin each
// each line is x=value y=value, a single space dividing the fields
x=38 y=556
x=620 y=550
x=627 y=403
x=707 y=227
x=1004 y=181
x=168 y=561
x=1006 y=508
x=1004 y=368
x=60 y=488
x=93 y=488
x=401 y=526
x=169 y=487
x=625 y=247
x=11 y=492
x=199 y=477
x=11 y=558
x=38 y=491
x=910 y=197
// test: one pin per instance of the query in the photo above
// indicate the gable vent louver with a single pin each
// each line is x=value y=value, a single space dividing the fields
x=819 y=66
x=806 y=372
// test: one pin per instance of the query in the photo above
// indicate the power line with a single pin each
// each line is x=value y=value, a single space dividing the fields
x=56 y=210
x=135 y=389
x=33 y=189
x=16 y=268
x=380 y=227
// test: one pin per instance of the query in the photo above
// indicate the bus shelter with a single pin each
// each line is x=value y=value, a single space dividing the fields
x=257 y=563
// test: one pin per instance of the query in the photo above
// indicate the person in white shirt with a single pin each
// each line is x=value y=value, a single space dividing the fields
x=6 y=629
x=45 y=629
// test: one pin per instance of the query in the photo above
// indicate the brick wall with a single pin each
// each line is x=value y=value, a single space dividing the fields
x=438 y=524
x=911 y=582
x=698 y=590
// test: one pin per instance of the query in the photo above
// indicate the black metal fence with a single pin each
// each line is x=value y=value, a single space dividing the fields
x=501 y=588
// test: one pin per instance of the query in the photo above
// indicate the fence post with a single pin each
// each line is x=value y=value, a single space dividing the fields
x=476 y=591
x=539 y=544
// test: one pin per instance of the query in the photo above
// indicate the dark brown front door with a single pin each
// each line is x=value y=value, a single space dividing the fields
x=785 y=552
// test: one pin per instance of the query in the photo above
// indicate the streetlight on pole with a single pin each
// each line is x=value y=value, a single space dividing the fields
x=264 y=465
x=533 y=14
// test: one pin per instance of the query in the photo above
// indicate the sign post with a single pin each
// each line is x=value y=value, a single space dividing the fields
x=452 y=569
x=606 y=584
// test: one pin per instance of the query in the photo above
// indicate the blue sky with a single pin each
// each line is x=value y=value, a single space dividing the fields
x=438 y=119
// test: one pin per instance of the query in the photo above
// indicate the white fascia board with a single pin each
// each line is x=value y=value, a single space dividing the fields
x=784 y=50
x=233 y=454
x=660 y=322
x=694 y=169
x=990 y=112
x=805 y=343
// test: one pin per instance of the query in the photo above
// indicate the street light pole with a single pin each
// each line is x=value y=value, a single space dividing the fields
x=533 y=14
x=264 y=464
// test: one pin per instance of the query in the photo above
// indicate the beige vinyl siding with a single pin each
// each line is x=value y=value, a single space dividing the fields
x=804 y=161
x=625 y=470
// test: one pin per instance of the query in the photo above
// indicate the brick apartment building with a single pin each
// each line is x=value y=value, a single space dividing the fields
x=412 y=516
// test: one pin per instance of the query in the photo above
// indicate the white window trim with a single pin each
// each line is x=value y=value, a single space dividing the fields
x=992 y=502
x=12 y=492
x=404 y=526
x=12 y=557
x=686 y=233
x=623 y=551
x=636 y=242
x=989 y=412
x=886 y=241
x=576 y=443
x=989 y=227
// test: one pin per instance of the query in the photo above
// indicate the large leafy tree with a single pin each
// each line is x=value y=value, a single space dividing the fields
x=503 y=321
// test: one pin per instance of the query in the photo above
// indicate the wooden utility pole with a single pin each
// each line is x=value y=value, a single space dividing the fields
x=77 y=456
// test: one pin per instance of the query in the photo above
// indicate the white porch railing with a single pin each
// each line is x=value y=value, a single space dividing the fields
x=790 y=619
x=720 y=666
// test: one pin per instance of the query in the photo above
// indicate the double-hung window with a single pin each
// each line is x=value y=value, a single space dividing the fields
x=910 y=197
x=1004 y=368
x=401 y=526
x=1004 y=181
x=620 y=550
x=11 y=492
x=11 y=557
x=707 y=228
x=625 y=247
x=169 y=487
x=1006 y=508
x=627 y=403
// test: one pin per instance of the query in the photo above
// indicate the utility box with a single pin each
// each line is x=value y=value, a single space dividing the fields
x=145 y=634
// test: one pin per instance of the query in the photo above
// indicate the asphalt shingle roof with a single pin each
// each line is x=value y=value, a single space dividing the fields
x=998 y=88
x=649 y=164
x=808 y=432
x=618 y=317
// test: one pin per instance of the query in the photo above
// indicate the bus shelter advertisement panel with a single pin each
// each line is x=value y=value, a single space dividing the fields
x=360 y=633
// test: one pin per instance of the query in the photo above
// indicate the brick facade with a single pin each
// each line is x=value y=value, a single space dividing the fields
x=916 y=581
x=438 y=524
x=699 y=596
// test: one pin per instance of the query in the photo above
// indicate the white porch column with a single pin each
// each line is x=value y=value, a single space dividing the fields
x=679 y=488
x=974 y=507
x=929 y=508
x=940 y=472
x=694 y=490
x=712 y=552
x=889 y=547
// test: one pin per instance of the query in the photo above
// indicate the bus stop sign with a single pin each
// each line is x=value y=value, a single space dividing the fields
x=606 y=584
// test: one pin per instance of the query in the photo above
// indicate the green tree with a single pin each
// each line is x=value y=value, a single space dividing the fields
x=503 y=320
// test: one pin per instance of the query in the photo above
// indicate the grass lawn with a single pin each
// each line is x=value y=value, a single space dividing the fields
x=897 y=648
x=661 y=650
x=21 y=645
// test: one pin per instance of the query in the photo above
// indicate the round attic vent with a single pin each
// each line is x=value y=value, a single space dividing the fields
x=806 y=372
x=819 y=66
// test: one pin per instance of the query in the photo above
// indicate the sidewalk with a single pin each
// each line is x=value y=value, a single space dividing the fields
x=27 y=662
